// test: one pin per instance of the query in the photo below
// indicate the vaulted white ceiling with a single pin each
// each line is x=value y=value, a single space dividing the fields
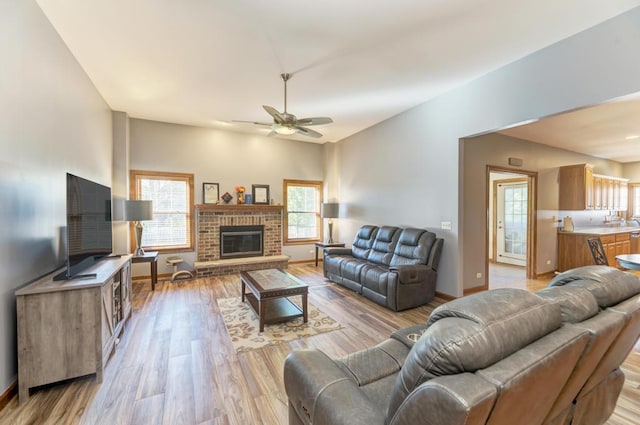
x=208 y=62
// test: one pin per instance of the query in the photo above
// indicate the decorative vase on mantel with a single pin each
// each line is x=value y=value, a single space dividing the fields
x=240 y=197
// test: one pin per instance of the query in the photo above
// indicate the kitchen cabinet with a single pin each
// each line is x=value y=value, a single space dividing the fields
x=576 y=187
x=597 y=192
x=573 y=250
x=580 y=189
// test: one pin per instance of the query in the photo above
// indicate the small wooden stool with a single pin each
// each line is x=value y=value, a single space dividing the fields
x=178 y=274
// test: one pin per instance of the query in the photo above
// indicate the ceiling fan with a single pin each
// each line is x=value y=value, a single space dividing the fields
x=286 y=123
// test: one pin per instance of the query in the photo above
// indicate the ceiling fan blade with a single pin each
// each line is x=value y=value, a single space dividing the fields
x=277 y=116
x=314 y=121
x=254 y=122
x=308 y=132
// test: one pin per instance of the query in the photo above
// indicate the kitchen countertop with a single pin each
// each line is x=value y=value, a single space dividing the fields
x=605 y=230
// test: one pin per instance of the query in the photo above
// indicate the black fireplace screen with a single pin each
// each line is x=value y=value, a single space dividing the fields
x=241 y=241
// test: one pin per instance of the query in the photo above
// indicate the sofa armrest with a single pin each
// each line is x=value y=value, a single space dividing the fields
x=413 y=273
x=337 y=251
x=320 y=392
x=454 y=399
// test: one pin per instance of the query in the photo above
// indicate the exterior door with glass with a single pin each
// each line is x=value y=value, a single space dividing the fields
x=511 y=225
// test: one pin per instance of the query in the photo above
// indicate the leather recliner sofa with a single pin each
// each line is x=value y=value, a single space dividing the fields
x=394 y=267
x=498 y=357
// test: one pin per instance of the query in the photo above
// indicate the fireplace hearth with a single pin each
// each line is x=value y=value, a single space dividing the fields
x=241 y=241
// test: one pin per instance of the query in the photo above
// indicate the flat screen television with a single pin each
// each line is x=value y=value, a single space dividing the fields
x=89 y=230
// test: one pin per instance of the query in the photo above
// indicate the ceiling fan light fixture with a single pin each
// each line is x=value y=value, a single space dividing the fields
x=283 y=130
x=287 y=124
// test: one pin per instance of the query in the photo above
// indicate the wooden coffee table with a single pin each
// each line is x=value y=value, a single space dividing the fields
x=268 y=295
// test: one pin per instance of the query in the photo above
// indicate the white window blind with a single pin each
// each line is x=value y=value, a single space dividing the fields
x=172 y=200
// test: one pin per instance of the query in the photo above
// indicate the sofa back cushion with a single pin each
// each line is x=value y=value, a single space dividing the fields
x=617 y=292
x=384 y=245
x=579 y=309
x=413 y=247
x=472 y=333
x=364 y=241
x=608 y=285
x=576 y=304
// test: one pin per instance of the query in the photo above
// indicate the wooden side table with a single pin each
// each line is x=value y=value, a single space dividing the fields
x=324 y=245
x=152 y=258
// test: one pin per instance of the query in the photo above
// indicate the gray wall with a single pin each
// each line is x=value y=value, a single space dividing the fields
x=409 y=169
x=495 y=149
x=53 y=122
x=228 y=158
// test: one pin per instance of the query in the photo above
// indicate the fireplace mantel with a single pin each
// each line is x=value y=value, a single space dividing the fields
x=239 y=208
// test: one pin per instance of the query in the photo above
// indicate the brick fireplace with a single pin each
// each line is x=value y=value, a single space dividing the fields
x=209 y=218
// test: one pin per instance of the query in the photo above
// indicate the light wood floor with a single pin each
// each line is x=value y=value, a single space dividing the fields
x=508 y=276
x=176 y=365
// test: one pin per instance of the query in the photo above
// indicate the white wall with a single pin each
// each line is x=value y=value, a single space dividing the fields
x=408 y=169
x=53 y=122
x=228 y=158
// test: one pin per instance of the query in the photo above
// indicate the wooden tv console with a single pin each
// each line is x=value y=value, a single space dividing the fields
x=68 y=329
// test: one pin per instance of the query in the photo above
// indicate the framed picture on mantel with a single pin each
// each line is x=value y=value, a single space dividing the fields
x=260 y=194
x=210 y=193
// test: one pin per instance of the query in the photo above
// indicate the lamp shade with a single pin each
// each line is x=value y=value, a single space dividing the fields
x=330 y=210
x=138 y=210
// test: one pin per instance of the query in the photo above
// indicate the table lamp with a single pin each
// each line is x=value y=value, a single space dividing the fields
x=330 y=210
x=138 y=211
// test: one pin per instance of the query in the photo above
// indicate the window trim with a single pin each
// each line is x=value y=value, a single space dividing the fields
x=135 y=176
x=631 y=188
x=317 y=184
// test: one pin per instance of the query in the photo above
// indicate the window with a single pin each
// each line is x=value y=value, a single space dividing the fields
x=634 y=197
x=172 y=194
x=302 y=222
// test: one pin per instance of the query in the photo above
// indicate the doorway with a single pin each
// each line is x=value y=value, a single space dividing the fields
x=511 y=207
x=510 y=221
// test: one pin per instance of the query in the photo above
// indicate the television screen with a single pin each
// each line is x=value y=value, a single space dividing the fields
x=89 y=233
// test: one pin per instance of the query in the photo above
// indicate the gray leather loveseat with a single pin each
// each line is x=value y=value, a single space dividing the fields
x=502 y=357
x=394 y=267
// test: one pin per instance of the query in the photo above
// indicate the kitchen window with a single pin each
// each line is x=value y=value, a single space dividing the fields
x=634 y=200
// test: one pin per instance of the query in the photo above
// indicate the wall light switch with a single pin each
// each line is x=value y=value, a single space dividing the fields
x=445 y=225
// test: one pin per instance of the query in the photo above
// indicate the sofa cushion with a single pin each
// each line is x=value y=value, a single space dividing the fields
x=384 y=245
x=350 y=268
x=607 y=284
x=376 y=278
x=576 y=304
x=333 y=263
x=364 y=241
x=472 y=333
x=413 y=247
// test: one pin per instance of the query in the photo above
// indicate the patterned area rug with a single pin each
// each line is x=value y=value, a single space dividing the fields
x=243 y=328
